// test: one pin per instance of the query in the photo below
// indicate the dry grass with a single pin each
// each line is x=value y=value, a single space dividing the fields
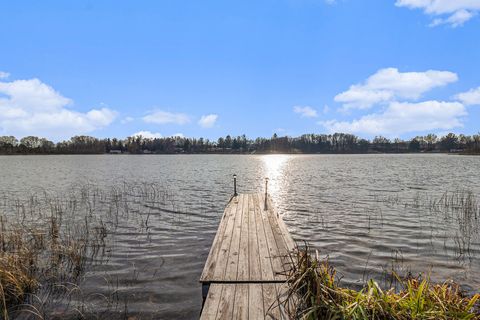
x=16 y=281
x=33 y=259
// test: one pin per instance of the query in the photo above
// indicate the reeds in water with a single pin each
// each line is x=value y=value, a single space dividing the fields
x=49 y=240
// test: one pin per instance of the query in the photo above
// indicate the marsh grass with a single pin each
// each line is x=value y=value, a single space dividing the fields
x=459 y=209
x=316 y=290
x=462 y=205
x=48 y=241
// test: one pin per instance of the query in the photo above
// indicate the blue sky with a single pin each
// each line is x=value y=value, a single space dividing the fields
x=397 y=68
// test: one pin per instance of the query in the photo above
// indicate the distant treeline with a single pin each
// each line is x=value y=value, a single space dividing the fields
x=307 y=143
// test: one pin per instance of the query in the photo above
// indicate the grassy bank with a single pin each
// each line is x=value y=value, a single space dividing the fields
x=319 y=295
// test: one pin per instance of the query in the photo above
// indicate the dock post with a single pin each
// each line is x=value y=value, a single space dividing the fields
x=266 y=194
x=235 y=185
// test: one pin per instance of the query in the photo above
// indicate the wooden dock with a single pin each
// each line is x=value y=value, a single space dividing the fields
x=246 y=271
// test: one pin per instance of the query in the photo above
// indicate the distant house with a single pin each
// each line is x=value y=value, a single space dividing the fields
x=115 y=151
x=456 y=150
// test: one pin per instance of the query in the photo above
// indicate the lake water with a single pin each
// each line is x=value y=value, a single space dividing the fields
x=367 y=213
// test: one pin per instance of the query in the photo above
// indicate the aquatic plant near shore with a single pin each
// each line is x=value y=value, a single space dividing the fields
x=459 y=210
x=48 y=241
x=318 y=295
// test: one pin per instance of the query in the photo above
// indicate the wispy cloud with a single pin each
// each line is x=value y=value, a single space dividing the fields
x=127 y=120
x=305 y=111
x=451 y=12
x=208 y=121
x=4 y=75
x=470 y=98
x=389 y=84
x=165 y=117
x=31 y=107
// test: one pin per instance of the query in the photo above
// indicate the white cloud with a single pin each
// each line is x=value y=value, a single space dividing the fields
x=404 y=117
x=147 y=134
x=208 y=121
x=179 y=135
x=389 y=84
x=33 y=95
x=4 y=75
x=469 y=98
x=127 y=120
x=164 y=117
x=452 y=12
x=30 y=107
x=305 y=112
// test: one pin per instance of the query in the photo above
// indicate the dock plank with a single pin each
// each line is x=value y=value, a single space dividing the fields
x=272 y=246
x=243 y=272
x=270 y=301
x=283 y=228
x=226 y=242
x=212 y=302
x=227 y=218
x=227 y=302
x=266 y=268
x=242 y=303
x=231 y=269
x=284 y=250
x=253 y=248
x=255 y=301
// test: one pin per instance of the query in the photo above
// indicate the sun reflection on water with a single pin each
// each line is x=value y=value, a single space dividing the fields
x=274 y=169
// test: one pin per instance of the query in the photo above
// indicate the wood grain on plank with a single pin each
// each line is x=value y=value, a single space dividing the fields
x=241 y=305
x=253 y=250
x=275 y=255
x=210 y=265
x=266 y=268
x=283 y=250
x=227 y=302
x=270 y=301
x=223 y=254
x=231 y=269
x=243 y=272
x=255 y=301
x=212 y=302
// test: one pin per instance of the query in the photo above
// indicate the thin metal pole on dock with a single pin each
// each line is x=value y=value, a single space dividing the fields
x=266 y=194
x=235 y=185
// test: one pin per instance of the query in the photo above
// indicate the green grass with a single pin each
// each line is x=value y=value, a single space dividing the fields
x=316 y=289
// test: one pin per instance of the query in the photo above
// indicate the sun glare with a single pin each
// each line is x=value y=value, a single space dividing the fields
x=274 y=169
